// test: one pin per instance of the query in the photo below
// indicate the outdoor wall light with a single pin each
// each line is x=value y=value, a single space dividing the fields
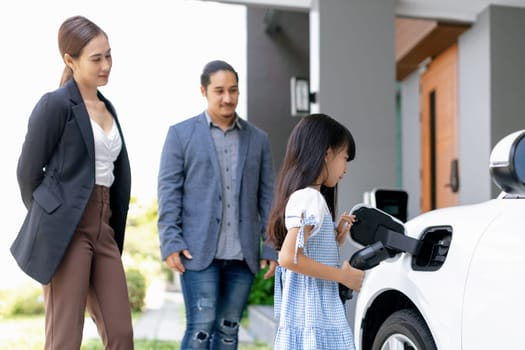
x=300 y=96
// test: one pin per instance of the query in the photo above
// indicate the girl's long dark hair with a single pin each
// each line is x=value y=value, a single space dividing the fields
x=303 y=162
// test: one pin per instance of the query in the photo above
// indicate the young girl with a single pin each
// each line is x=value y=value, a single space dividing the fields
x=311 y=314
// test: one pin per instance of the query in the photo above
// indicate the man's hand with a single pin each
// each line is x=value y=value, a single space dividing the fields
x=174 y=263
x=271 y=269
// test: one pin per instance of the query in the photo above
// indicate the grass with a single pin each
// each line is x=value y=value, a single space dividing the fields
x=27 y=333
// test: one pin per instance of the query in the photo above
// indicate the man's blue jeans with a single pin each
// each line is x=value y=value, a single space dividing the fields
x=215 y=299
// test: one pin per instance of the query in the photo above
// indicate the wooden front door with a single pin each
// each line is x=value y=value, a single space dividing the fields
x=439 y=149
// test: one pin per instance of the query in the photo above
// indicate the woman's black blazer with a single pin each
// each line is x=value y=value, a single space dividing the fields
x=56 y=176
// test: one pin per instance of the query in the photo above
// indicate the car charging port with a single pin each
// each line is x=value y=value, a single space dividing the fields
x=435 y=244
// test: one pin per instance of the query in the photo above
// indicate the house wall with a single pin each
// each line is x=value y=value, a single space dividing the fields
x=353 y=71
x=474 y=112
x=507 y=72
x=347 y=51
x=491 y=98
x=272 y=59
x=491 y=90
x=491 y=94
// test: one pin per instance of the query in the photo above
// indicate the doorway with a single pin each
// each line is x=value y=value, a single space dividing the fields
x=439 y=134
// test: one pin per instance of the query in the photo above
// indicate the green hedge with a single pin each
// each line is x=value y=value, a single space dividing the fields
x=262 y=290
x=24 y=300
x=136 y=289
x=29 y=300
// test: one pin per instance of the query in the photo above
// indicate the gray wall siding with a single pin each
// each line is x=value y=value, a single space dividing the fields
x=355 y=71
x=474 y=112
x=272 y=60
x=507 y=70
x=491 y=94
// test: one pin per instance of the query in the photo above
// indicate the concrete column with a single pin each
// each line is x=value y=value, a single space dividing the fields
x=352 y=70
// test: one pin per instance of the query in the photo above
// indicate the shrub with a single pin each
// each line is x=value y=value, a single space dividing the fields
x=262 y=290
x=136 y=289
x=26 y=300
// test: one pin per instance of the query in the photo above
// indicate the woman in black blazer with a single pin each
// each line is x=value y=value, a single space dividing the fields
x=74 y=178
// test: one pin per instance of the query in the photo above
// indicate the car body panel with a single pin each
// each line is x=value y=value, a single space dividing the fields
x=494 y=305
x=469 y=297
x=438 y=295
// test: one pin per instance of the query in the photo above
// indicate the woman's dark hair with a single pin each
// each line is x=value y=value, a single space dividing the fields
x=74 y=34
x=303 y=162
x=215 y=66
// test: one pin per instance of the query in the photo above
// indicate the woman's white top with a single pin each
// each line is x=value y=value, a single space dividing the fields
x=107 y=149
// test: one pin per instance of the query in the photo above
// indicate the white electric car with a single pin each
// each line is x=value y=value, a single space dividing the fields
x=455 y=278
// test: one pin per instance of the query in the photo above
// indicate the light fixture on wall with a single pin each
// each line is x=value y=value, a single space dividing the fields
x=300 y=96
x=272 y=21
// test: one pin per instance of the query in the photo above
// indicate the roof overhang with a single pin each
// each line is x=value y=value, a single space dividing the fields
x=443 y=10
x=302 y=5
x=418 y=39
x=424 y=28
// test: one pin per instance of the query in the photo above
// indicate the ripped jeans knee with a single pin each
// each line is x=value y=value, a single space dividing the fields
x=226 y=334
x=200 y=338
x=214 y=300
x=200 y=323
x=196 y=338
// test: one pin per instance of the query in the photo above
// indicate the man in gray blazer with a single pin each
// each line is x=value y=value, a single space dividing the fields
x=215 y=190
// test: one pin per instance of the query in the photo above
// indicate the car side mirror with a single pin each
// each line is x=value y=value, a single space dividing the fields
x=507 y=163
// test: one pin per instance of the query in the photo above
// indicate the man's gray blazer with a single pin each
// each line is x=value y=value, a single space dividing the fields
x=189 y=193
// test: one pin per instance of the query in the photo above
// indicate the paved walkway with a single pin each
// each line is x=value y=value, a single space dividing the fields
x=163 y=318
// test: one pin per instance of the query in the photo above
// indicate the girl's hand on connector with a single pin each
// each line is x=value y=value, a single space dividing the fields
x=343 y=226
x=352 y=277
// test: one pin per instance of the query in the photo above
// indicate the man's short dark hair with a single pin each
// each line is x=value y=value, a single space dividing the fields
x=215 y=66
